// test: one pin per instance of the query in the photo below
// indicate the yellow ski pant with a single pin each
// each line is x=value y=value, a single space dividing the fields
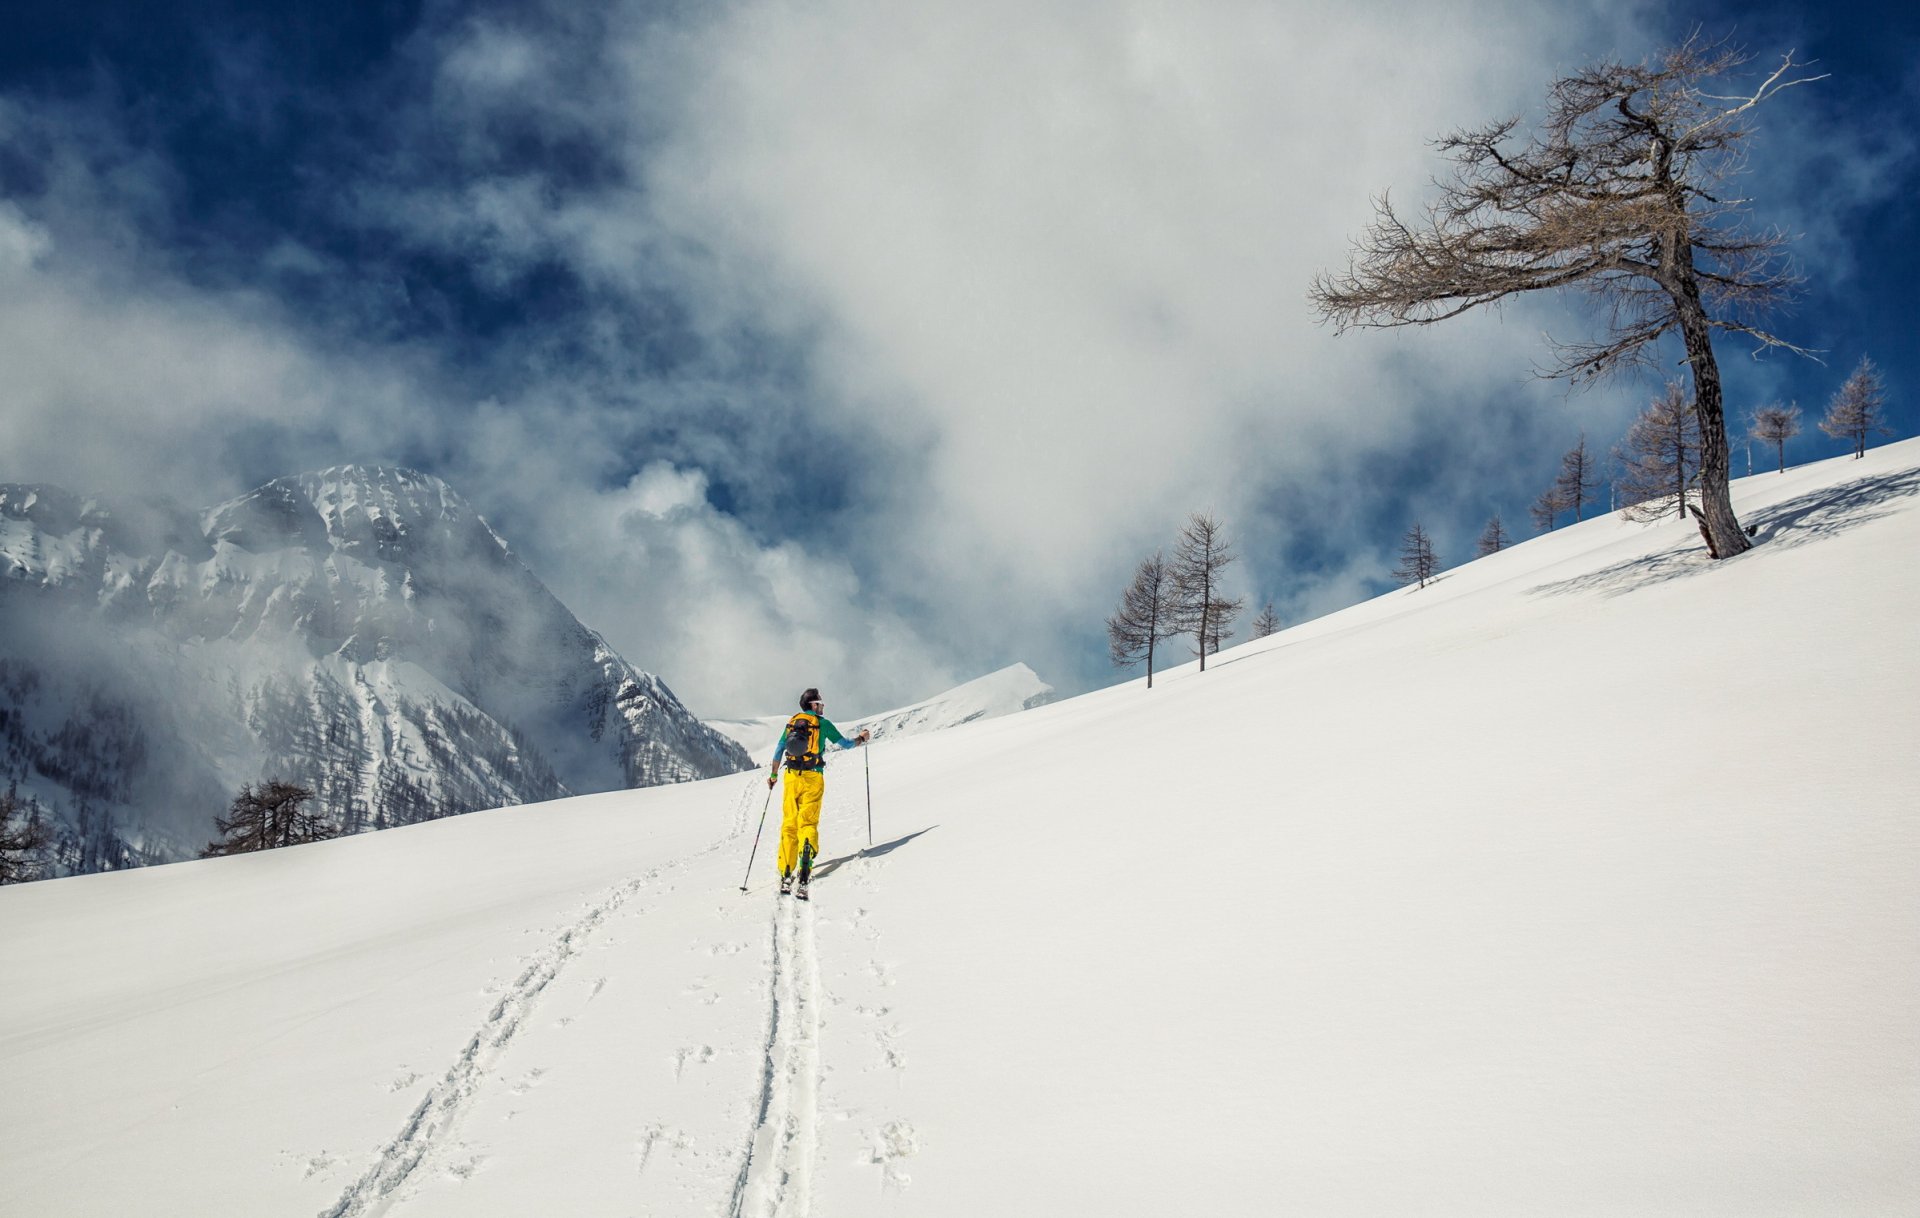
x=800 y=816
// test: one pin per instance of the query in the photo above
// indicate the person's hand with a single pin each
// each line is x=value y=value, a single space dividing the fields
x=865 y=735
x=771 y=779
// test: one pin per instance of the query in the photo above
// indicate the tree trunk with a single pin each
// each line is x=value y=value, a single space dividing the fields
x=1725 y=537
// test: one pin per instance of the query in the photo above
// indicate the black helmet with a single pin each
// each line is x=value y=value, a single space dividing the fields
x=808 y=699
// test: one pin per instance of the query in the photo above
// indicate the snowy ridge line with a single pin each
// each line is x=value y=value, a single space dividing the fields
x=439 y=1110
x=776 y=1177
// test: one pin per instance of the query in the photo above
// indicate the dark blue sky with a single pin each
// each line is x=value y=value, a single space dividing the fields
x=544 y=249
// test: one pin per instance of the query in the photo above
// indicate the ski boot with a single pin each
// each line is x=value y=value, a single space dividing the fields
x=786 y=884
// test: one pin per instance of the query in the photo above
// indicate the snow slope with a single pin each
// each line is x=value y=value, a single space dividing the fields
x=1013 y=688
x=1582 y=882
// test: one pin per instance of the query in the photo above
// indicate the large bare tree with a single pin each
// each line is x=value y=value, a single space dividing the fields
x=1621 y=193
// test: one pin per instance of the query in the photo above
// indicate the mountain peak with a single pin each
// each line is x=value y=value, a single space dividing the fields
x=374 y=512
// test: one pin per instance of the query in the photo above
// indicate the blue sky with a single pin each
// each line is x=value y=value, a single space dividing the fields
x=848 y=345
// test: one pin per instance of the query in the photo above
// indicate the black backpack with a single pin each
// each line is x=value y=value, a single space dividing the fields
x=803 y=742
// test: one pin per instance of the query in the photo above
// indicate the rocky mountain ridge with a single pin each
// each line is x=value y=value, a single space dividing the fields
x=360 y=630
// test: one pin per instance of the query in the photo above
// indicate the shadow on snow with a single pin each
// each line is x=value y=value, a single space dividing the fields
x=871 y=852
x=1814 y=516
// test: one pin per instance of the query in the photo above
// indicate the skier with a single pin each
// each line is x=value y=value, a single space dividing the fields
x=801 y=749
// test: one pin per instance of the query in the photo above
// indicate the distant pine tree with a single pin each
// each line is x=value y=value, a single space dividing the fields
x=1146 y=616
x=1660 y=457
x=1494 y=538
x=1579 y=478
x=1201 y=554
x=1545 y=509
x=1266 y=623
x=266 y=819
x=1418 y=563
x=1858 y=408
x=25 y=840
x=1776 y=424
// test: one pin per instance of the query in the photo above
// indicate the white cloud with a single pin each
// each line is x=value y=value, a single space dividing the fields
x=1060 y=251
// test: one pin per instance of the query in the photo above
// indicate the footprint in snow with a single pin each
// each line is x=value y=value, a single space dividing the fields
x=699 y=1056
x=888 y=1145
x=464 y=1167
x=528 y=1081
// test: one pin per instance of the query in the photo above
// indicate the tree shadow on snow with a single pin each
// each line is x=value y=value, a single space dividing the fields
x=871 y=852
x=1811 y=517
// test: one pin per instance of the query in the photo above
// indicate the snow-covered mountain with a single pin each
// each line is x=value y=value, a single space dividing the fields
x=1581 y=881
x=1013 y=688
x=359 y=630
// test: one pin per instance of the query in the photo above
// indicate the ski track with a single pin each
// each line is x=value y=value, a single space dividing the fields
x=376 y=1192
x=776 y=1176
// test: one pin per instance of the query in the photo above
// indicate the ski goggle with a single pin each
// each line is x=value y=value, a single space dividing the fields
x=817 y=705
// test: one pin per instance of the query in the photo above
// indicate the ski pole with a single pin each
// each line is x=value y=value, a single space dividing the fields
x=866 y=756
x=756 y=838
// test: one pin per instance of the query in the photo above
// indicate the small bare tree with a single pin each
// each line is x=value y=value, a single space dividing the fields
x=266 y=819
x=1494 y=538
x=1199 y=557
x=1579 y=480
x=1858 y=408
x=1546 y=509
x=25 y=840
x=1417 y=561
x=1145 y=617
x=1659 y=457
x=1267 y=622
x=1619 y=193
x=1776 y=424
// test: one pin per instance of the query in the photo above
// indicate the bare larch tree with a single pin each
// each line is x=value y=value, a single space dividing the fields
x=1659 y=457
x=1618 y=193
x=1145 y=617
x=1199 y=557
x=1579 y=479
x=1776 y=424
x=1545 y=509
x=267 y=818
x=1267 y=622
x=25 y=840
x=1493 y=538
x=1858 y=408
x=1417 y=561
